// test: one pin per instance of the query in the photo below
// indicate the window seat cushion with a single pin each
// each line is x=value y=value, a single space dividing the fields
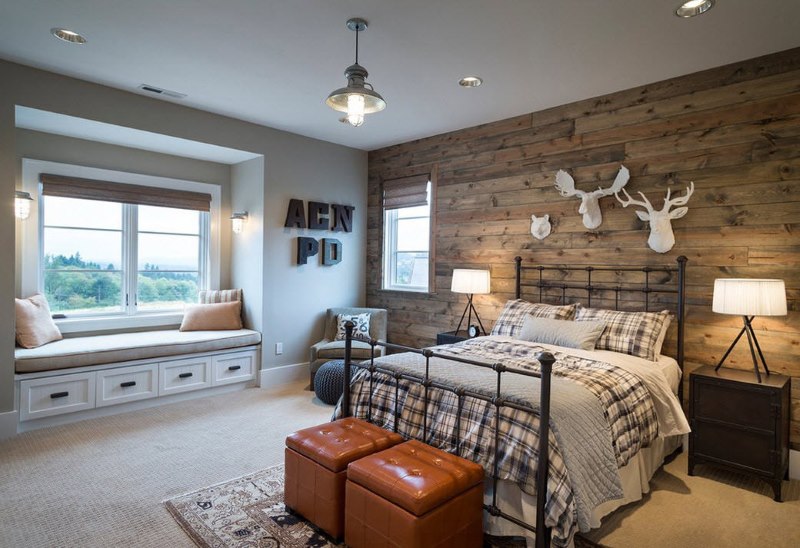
x=123 y=347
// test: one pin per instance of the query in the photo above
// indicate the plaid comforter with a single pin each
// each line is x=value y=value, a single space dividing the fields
x=626 y=403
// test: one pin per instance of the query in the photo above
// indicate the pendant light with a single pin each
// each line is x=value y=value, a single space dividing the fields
x=358 y=98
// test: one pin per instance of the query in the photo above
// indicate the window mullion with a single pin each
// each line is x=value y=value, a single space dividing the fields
x=130 y=239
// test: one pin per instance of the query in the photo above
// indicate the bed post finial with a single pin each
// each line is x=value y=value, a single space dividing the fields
x=348 y=346
x=518 y=268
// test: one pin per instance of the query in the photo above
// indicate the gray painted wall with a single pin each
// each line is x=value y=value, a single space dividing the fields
x=57 y=148
x=294 y=166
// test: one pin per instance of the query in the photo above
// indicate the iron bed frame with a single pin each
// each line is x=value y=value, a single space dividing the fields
x=546 y=360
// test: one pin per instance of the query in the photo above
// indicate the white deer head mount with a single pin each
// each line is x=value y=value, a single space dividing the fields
x=590 y=204
x=540 y=226
x=661 y=237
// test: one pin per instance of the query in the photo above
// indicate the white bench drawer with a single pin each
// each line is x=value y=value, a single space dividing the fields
x=56 y=395
x=125 y=384
x=184 y=375
x=231 y=368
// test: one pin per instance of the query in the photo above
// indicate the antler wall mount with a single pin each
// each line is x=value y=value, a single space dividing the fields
x=662 y=238
x=590 y=201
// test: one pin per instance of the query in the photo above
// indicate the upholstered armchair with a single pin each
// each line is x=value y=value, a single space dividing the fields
x=330 y=349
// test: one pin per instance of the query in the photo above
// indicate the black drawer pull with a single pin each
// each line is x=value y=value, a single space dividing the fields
x=234 y=367
x=127 y=384
x=185 y=375
x=57 y=395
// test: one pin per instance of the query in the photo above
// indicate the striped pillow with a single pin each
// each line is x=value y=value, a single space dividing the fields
x=634 y=333
x=516 y=310
x=211 y=296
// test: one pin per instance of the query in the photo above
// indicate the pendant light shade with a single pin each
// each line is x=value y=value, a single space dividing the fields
x=358 y=98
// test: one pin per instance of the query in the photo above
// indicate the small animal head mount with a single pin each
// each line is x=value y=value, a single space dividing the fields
x=590 y=201
x=661 y=237
x=540 y=226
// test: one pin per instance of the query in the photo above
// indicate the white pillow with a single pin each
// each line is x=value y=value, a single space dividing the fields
x=582 y=335
x=34 y=325
x=361 y=329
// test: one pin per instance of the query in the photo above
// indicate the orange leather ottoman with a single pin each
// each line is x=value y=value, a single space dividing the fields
x=414 y=495
x=316 y=462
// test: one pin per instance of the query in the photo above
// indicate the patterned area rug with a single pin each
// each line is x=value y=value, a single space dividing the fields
x=248 y=512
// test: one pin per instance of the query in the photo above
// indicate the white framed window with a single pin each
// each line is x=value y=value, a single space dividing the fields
x=104 y=258
x=104 y=264
x=407 y=257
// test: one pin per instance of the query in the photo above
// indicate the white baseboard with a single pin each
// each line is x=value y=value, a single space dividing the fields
x=8 y=424
x=285 y=374
x=794 y=464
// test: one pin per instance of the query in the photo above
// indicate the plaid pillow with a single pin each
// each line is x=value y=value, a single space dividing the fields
x=516 y=310
x=634 y=333
x=361 y=328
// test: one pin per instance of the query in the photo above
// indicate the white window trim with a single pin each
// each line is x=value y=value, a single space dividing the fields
x=390 y=218
x=31 y=240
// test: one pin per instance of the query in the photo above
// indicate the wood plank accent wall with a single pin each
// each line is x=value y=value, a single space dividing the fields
x=733 y=130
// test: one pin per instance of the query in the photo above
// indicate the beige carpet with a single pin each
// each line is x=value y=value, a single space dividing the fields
x=102 y=482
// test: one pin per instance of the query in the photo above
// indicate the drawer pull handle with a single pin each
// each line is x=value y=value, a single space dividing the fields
x=127 y=384
x=234 y=367
x=185 y=375
x=57 y=395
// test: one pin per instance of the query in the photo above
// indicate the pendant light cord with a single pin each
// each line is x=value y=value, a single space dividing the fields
x=357 y=31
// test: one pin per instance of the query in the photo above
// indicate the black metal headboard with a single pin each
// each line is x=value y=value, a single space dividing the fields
x=533 y=276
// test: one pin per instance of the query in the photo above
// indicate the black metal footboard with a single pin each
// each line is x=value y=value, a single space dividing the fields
x=546 y=360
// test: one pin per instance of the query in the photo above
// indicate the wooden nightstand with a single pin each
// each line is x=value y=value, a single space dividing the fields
x=451 y=337
x=740 y=424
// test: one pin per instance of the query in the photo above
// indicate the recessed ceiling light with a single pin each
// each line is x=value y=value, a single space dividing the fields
x=694 y=7
x=470 y=81
x=68 y=36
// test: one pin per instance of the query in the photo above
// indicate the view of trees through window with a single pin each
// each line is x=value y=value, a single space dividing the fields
x=92 y=265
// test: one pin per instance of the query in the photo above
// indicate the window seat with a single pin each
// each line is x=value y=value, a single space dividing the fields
x=124 y=347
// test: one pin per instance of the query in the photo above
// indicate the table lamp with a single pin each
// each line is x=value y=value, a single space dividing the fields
x=749 y=298
x=472 y=282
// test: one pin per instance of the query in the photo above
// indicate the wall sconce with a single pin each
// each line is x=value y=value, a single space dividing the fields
x=237 y=221
x=22 y=204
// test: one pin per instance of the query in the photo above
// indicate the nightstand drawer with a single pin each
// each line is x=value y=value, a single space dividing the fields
x=734 y=446
x=736 y=403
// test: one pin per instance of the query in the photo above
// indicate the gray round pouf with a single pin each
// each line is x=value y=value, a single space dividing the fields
x=329 y=381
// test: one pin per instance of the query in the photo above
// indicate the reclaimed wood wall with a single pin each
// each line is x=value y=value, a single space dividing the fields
x=733 y=130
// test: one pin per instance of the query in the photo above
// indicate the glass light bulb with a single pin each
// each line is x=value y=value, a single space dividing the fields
x=355 y=109
x=22 y=208
x=237 y=225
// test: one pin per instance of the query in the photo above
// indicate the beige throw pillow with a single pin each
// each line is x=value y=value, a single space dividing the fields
x=212 y=317
x=34 y=325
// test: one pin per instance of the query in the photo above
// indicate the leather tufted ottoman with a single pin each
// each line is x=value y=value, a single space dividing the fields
x=414 y=495
x=316 y=462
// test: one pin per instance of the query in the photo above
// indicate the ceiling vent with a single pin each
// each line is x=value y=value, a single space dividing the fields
x=160 y=91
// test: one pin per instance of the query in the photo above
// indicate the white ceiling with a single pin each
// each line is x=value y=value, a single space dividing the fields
x=273 y=62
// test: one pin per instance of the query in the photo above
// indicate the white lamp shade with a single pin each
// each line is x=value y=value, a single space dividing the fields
x=465 y=280
x=749 y=297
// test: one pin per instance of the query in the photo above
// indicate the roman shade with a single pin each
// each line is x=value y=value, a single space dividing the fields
x=106 y=191
x=406 y=192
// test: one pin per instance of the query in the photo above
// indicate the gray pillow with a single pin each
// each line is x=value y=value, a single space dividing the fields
x=567 y=333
